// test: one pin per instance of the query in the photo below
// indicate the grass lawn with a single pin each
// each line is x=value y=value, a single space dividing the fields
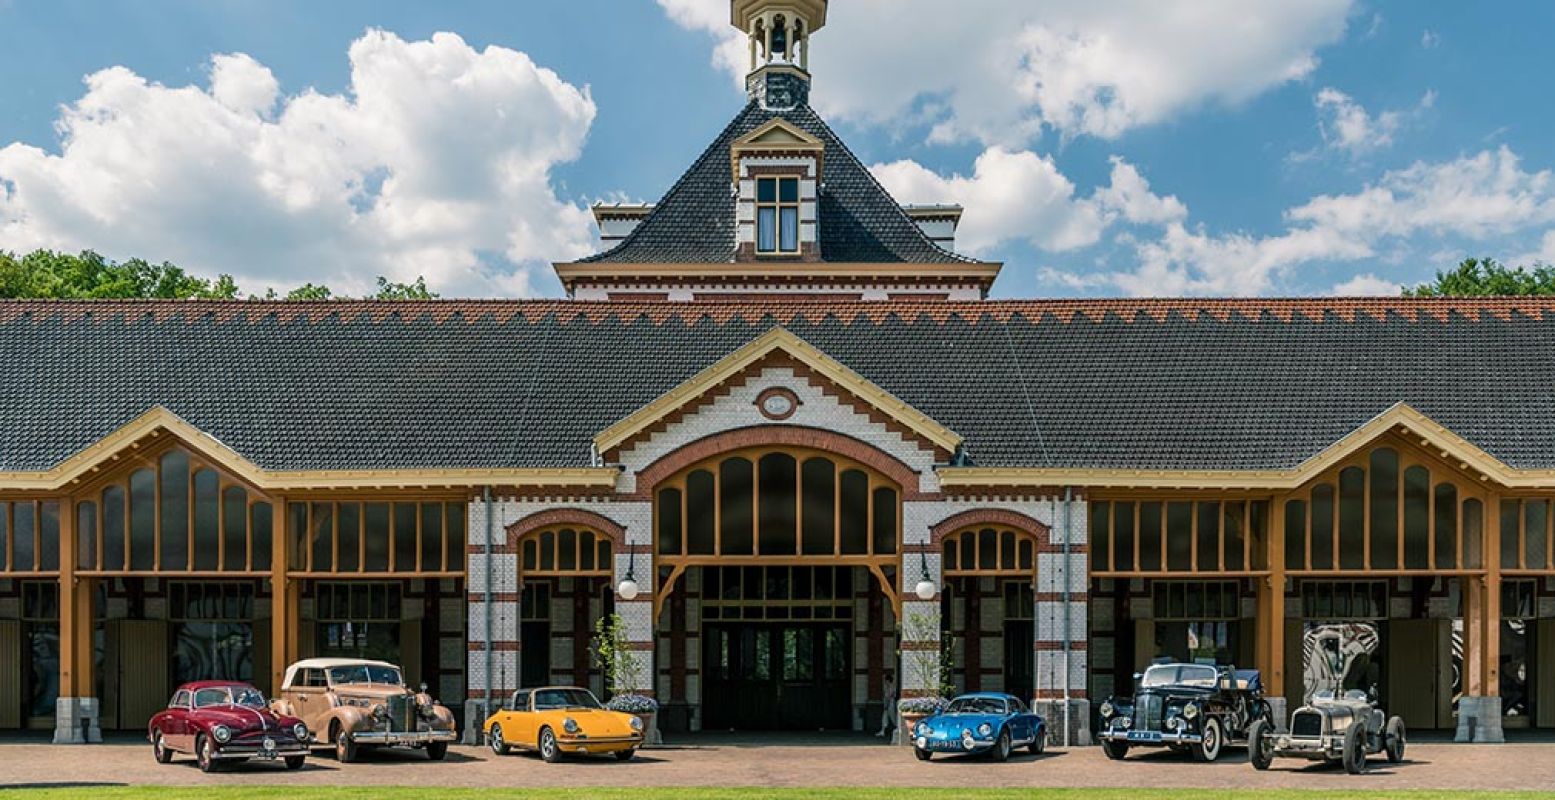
x=745 y=793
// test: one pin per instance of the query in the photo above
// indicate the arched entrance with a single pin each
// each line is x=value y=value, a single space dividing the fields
x=565 y=560
x=989 y=558
x=777 y=564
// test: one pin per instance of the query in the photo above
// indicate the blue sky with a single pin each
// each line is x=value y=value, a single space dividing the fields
x=1100 y=149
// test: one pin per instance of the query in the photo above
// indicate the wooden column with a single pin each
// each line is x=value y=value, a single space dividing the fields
x=1491 y=632
x=75 y=613
x=285 y=599
x=1270 y=643
x=1473 y=590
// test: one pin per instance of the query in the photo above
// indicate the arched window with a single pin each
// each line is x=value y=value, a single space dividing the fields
x=988 y=550
x=777 y=502
x=566 y=551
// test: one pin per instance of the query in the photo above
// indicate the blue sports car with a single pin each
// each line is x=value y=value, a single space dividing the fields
x=984 y=722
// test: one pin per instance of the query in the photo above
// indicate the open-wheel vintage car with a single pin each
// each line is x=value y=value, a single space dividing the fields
x=351 y=703
x=559 y=720
x=1331 y=727
x=984 y=723
x=1196 y=708
x=225 y=722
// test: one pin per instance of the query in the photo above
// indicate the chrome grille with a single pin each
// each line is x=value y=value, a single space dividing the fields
x=1147 y=712
x=402 y=713
x=1306 y=723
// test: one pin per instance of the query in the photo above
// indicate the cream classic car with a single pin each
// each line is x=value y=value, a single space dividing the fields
x=353 y=703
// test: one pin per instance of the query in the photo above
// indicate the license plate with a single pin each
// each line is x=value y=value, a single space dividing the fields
x=394 y=741
x=1144 y=736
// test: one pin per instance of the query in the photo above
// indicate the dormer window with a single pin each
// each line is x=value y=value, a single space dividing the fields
x=777 y=216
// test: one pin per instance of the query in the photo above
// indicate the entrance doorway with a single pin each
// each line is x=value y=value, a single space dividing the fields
x=777 y=676
x=777 y=648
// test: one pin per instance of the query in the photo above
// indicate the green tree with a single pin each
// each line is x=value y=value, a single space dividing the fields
x=388 y=290
x=1479 y=277
x=310 y=291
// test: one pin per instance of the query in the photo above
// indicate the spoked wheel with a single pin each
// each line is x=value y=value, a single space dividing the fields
x=1355 y=750
x=345 y=747
x=159 y=749
x=1001 y=748
x=549 y=749
x=1209 y=744
x=1393 y=742
x=1260 y=744
x=1113 y=749
x=498 y=744
x=205 y=753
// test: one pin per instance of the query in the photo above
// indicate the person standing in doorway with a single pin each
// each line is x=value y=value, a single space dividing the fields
x=888 y=714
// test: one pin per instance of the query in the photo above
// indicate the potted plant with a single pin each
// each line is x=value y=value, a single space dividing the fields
x=622 y=668
x=929 y=667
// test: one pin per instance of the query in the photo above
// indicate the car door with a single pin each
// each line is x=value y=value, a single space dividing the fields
x=309 y=702
x=175 y=724
x=1021 y=721
x=523 y=718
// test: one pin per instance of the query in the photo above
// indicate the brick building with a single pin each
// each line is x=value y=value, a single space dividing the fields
x=778 y=428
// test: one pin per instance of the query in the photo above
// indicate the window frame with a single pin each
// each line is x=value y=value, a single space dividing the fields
x=777 y=206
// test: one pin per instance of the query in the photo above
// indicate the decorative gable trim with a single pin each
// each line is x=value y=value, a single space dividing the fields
x=777 y=342
x=1400 y=418
x=158 y=421
x=776 y=137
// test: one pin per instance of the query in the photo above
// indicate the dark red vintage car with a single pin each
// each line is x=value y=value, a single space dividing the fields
x=219 y=721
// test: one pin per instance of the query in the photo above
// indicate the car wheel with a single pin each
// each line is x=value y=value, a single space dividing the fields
x=1260 y=745
x=436 y=750
x=923 y=755
x=345 y=746
x=1394 y=741
x=205 y=753
x=549 y=749
x=295 y=762
x=626 y=755
x=1001 y=748
x=498 y=744
x=160 y=750
x=1038 y=744
x=1354 y=750
x=1114 y=750
x=1210 y=741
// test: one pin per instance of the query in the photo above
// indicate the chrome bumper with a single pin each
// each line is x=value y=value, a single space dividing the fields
x=1314 y=748
x=255 y=751
x=1154 y=738
x=402 y=738
x=584 y=744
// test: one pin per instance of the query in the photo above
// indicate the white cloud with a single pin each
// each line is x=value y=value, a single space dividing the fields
x=1429 y=39
x=1023 y=196
x=1346 y=126
x=1544 y=253
x=1367 y=285
x=435 y=162
x=1469 y=199
x=998 y=71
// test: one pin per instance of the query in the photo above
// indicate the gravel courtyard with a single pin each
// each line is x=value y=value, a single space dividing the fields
x=832 y=761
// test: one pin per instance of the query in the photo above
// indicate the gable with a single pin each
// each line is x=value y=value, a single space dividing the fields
x=777 y=344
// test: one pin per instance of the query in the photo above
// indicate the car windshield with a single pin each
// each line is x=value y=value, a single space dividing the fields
x=546 y=699
x=225 y=695
x=976 y=705
x=364 y=673
x=1179 y=675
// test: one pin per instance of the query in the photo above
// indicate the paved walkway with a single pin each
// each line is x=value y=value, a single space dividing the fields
x=749 y=761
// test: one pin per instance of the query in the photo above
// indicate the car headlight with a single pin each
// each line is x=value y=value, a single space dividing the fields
x=570 y=725
x=1107 y=709
x=222 y=733
x=1125 y=722
x=636 y=722
x=924 y=729
x=300 y=731
x=1190 y=710
x=985 y=730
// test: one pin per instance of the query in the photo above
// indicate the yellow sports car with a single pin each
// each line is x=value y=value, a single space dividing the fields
x=558 y=720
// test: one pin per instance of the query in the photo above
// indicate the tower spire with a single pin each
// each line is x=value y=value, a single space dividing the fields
x=779 y=34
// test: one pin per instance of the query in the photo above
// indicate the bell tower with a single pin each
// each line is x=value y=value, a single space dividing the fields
x=779 y=34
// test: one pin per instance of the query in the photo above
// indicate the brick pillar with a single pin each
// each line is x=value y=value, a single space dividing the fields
x=1061 y=661
x=636 y=560
x=501 y=651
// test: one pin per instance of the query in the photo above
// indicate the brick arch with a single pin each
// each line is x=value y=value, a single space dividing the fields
x=986 y=517
x=825 y=441
x=575 y=517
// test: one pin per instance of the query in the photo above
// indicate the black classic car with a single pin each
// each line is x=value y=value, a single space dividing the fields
x=1195 y=708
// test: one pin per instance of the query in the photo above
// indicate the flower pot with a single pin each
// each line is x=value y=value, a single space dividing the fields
x=909 y=721
x=650 y=733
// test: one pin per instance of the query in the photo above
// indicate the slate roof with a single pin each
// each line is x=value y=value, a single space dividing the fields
x=858 y=221
x=1185 y=384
